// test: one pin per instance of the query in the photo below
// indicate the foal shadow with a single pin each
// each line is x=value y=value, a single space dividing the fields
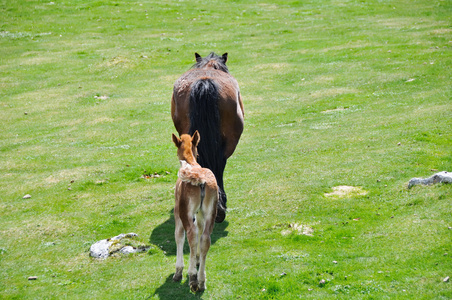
x=163 y=235
x=171 y=290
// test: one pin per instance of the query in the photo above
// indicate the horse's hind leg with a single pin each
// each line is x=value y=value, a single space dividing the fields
x=179 y=235
x=221 y=206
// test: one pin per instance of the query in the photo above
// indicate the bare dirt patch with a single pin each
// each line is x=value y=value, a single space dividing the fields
x=344 y=191
x=300 y=229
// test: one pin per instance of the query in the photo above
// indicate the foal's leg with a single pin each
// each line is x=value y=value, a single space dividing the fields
x=193 y=242
x=200 y=225
x=179 y=235
x=204 y=247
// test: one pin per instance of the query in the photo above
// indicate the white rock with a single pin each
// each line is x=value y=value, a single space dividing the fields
x=100 y=249
x=440 y=177
x=104 y=248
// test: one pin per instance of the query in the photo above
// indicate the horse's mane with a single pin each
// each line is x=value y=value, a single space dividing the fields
x=217 y=62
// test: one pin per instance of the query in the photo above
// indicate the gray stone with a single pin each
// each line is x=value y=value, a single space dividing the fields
x=440 y=177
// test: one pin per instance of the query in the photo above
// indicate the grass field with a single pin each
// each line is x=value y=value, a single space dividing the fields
x=336 y=93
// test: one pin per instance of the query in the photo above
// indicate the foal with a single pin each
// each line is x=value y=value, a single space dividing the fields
x=195 y=210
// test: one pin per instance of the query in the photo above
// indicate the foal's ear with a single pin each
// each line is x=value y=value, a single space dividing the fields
x=225 y=57
x=196 y=138
x=198 y=57
x=176 y=141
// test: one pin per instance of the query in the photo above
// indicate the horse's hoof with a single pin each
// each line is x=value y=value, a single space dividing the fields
x=221 y=215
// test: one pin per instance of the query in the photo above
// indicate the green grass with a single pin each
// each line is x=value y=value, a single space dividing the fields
x=336 y=93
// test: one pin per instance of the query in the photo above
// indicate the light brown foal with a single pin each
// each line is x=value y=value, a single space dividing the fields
x=194 y=212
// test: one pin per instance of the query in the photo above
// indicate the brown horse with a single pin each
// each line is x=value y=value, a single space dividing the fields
x=194 y=211
x=207 y=98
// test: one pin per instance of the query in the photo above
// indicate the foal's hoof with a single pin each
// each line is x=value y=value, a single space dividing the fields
x=194 y=287
x=177 y=276
x=193 y=279
x=221 y=215
x=201 y=286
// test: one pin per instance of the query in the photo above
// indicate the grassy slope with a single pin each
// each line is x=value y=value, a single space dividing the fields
x=385 y=64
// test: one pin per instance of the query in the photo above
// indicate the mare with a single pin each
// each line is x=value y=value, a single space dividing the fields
x=207 y=98
x=194 y=211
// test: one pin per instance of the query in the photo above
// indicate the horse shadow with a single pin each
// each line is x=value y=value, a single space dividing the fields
x=171 y=290
x=163 y=235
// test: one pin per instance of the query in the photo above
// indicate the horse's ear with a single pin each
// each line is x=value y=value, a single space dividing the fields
x=225 y=57
x=196 y=138
x=176 y=141
x=198 y=57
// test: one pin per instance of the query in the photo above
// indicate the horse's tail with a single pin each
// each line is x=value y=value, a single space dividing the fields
x=205 y=117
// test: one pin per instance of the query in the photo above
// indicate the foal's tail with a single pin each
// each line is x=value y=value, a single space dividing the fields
x=205 y=117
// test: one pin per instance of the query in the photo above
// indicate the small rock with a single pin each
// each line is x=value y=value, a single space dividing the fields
x=322 y=282
x=27 y=196
x=446 y=279
x=399 y=143
x=25 y=113
x=32 y=278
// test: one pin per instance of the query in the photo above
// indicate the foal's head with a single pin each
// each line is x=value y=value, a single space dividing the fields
x=212 y=61
x=187 y=146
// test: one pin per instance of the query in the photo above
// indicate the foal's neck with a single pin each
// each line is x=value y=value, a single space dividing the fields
x=190 y=158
